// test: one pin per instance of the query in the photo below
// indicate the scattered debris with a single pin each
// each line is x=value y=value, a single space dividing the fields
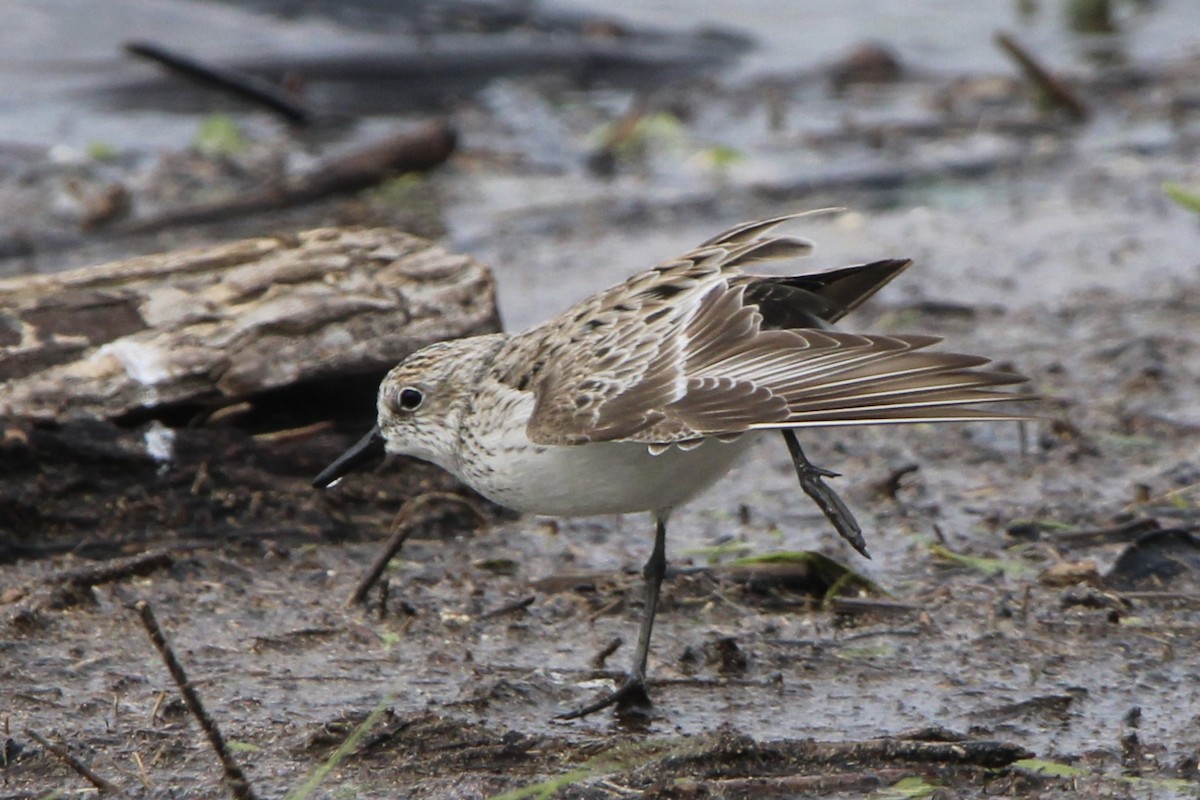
x=1051 y=89
x=1068 y=573
x=418 y=150
x=246 y=87
x=866 y=63
x=1159 y=559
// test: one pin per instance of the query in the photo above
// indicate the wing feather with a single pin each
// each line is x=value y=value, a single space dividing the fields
x=695 y=348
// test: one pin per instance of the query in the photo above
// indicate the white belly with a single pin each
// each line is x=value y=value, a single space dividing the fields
x=599 y=478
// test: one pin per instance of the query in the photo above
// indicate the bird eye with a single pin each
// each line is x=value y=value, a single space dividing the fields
x=410 y=399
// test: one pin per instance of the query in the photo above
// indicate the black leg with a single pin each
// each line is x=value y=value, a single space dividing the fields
x=654 y=572
x=826 y=499
x=632 y=692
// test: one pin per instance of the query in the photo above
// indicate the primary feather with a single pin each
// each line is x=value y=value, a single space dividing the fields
x=696 y=348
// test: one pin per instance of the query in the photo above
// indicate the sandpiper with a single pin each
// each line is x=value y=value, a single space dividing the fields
x=639 y=397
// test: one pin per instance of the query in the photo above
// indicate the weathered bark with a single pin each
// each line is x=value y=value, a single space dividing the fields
x=218 y=325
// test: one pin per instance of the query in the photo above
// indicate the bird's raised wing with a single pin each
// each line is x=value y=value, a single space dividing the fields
x=684 y=351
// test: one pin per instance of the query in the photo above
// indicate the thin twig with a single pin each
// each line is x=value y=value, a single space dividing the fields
x=143 y=773
x=402 y=527
x=791 y=785
x=1054 y=90
x=891 y=486
x=1125 y=532
x=235 y=778
x=384 y=590
x=608 y=649
x=246 y=87
x=68 y=588
x=991 y=754
x=508 y=608
x=1166 y=496
x=870 y=605
x=1149 y=597
x=606 y=609
x=114 y=569
x=81 y=769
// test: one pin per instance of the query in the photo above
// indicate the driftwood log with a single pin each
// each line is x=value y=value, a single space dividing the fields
x=220 y=325
x=195 y=394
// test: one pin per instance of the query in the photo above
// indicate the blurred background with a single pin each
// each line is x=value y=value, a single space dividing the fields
x=632 y=129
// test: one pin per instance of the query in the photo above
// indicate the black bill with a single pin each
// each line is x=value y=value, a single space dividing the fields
x=367 y=448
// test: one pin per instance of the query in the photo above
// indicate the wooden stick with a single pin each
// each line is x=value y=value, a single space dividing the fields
x=83 y=770
x=508 y=608
x=235 y=778
x=1055 y=90
x=402 y=527
x=245 y=87
x=415 y=151
x=791 y=785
